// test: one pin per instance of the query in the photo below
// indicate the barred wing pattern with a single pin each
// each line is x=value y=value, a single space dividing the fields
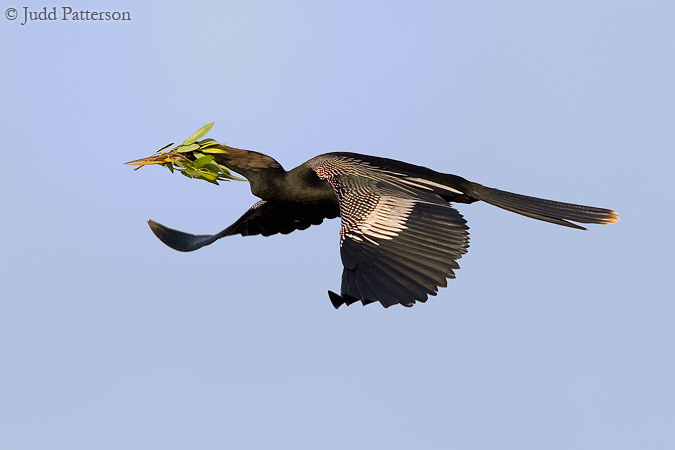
x=399 y=241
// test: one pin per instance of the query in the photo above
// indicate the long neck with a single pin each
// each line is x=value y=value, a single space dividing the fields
x=263 y=172
x=270 y=181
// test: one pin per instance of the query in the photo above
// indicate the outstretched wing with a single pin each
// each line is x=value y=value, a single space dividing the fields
x=398 y=242
x=264 y=218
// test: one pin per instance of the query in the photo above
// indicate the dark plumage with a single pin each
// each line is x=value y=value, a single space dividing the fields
x=400 y=237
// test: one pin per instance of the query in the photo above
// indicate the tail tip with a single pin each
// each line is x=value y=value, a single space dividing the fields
x=612 y=217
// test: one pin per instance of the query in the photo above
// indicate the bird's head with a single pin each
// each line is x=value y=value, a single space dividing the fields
x=194 y=158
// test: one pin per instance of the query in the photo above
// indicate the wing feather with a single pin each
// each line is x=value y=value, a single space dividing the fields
x=399 y=240
x=264 y=218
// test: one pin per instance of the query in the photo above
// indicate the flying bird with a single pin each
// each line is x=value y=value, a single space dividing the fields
x=400 y=237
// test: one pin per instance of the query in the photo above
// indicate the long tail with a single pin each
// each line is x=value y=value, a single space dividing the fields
x=542 y=209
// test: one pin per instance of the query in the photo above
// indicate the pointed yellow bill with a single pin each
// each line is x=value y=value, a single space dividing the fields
x=154 y=159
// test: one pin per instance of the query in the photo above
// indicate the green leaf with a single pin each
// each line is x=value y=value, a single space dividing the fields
x=208 y=176
x=212 y=150
x=194 y=158
x=190 y=172
x=197 y=135
x=187 y=148
x=208 y=142
x=203 y=161
x=229 y=176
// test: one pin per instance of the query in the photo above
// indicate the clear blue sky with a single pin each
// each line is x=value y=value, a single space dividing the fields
x=550 y=338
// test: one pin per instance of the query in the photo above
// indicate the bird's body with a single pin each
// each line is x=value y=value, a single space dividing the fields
x=400 y=237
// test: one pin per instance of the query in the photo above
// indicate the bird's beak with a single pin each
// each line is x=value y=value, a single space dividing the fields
x=155 y=159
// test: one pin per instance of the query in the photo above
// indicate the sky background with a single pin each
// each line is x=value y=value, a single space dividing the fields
x=550 y=338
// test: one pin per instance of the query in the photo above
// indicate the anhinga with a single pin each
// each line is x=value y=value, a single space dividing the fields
x=400 y=238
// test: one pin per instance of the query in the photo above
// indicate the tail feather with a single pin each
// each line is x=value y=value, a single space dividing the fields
x=547 y=210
